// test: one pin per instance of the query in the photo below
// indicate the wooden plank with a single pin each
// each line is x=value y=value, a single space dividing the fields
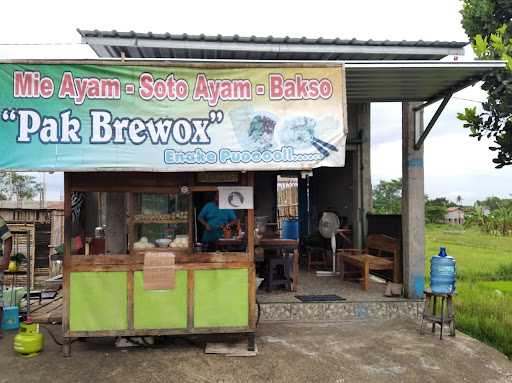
x=141 y=332
x=190 y=299
x=129 y=306
x=191 y=218
x=250 y=252
x=67 y=251
x=130 y=222
x=295 y=269
x=205 y=188
x=129 y=181
x=48 y=311
x=182 y=266
x=138 y=258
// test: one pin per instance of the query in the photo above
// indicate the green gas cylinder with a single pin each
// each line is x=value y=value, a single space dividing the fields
x=29 y=341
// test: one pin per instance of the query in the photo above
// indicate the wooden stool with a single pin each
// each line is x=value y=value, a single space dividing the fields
x=279 y=272
x=445 y=315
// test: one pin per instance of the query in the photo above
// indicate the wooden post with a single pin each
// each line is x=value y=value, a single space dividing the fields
x=129 y=306
x=67 y=255
x=250 y=255
x=130 y=222
x=190 y=299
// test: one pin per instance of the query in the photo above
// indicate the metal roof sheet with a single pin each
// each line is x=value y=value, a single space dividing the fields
x=412 y=81
x=165 y=45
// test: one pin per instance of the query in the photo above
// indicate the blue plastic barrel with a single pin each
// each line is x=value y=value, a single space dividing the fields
x=290 y=228
x=442 y=273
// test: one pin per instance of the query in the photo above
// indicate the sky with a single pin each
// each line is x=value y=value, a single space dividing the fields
x=455 y=164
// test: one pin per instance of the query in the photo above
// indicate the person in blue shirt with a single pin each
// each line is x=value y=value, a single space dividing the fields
x=214 y=219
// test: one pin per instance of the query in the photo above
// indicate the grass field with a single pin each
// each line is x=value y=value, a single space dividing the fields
x=484 y=281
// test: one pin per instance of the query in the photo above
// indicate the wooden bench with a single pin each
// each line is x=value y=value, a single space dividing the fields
x=381 y=253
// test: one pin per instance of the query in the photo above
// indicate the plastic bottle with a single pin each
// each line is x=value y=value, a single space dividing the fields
x=442 y=273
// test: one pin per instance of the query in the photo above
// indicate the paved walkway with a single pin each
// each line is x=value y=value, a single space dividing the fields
x=385 y=351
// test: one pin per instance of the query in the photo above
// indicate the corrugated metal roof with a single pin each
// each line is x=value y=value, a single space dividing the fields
x=412 y=81
x=165 y=45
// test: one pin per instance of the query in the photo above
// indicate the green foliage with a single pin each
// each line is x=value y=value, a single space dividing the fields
x=496 y=220
x=483 y=304
x=485 y=16
x=489 y=25
x=436 y=209
x=18 y=185
x=387 y=197
x=18 y=258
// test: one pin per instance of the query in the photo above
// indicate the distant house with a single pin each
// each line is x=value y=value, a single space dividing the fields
x=454 y=215
x=38 y=228
x=29 y=211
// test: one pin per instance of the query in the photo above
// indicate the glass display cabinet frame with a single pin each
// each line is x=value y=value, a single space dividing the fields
x=104 y=296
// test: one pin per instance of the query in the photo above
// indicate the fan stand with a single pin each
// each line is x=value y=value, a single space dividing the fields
x=333 y=272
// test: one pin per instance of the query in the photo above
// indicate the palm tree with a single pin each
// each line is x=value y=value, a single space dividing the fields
x=459 y=200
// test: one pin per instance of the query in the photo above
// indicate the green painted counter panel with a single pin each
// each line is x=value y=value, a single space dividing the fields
x=160 y=309
x=221 y=298
x=98 y=301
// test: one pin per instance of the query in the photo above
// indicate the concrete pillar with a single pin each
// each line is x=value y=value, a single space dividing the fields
x=413 y=204
x=360 y=131
x=366 y=174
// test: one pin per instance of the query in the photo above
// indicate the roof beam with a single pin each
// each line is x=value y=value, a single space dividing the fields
x=275 y=47
x=431 y=123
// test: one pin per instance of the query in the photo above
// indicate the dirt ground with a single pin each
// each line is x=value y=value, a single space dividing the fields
x=358 y=351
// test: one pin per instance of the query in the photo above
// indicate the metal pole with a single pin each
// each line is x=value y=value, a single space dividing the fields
x=29 y=269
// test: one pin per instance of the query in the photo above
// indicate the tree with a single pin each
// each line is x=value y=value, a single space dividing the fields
x=494 y=203
x=436 y=209
x=387 y=197
x=19 y=186
x=459 y=200
x=488 y=23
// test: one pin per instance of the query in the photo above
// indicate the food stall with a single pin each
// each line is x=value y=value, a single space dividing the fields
x=140 y=143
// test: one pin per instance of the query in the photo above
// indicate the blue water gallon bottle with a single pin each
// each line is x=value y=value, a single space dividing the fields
x=442 y=273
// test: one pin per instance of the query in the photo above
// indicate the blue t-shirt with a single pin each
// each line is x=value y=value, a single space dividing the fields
x=216 y=218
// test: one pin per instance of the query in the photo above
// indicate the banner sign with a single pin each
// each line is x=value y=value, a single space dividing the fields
x=151 y=117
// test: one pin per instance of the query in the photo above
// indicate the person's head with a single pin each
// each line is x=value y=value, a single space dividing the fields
x=215 y=197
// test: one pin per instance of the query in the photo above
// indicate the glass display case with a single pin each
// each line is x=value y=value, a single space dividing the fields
x=160 y=221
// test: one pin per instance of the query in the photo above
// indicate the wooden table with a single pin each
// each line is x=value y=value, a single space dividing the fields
x=271 y=244
x=284 y=244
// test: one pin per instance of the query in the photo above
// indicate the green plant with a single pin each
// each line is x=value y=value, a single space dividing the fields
x=488 y=24
x=387 y=197
x=18 y=258
x=483 y=304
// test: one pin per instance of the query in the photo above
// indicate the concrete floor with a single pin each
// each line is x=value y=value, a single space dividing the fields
x=311 y=284
x=391 y=351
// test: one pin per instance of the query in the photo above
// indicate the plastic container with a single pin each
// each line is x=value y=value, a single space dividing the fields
x=442 y=273
x=11 y=318
x=290 y=229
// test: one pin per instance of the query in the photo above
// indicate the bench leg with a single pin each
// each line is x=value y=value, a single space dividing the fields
x=366 y=274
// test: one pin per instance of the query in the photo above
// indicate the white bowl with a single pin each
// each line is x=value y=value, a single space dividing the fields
x=163 y=242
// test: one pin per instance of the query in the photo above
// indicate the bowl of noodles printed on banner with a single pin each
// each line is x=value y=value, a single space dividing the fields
x=254 y=129
x=302 y=133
